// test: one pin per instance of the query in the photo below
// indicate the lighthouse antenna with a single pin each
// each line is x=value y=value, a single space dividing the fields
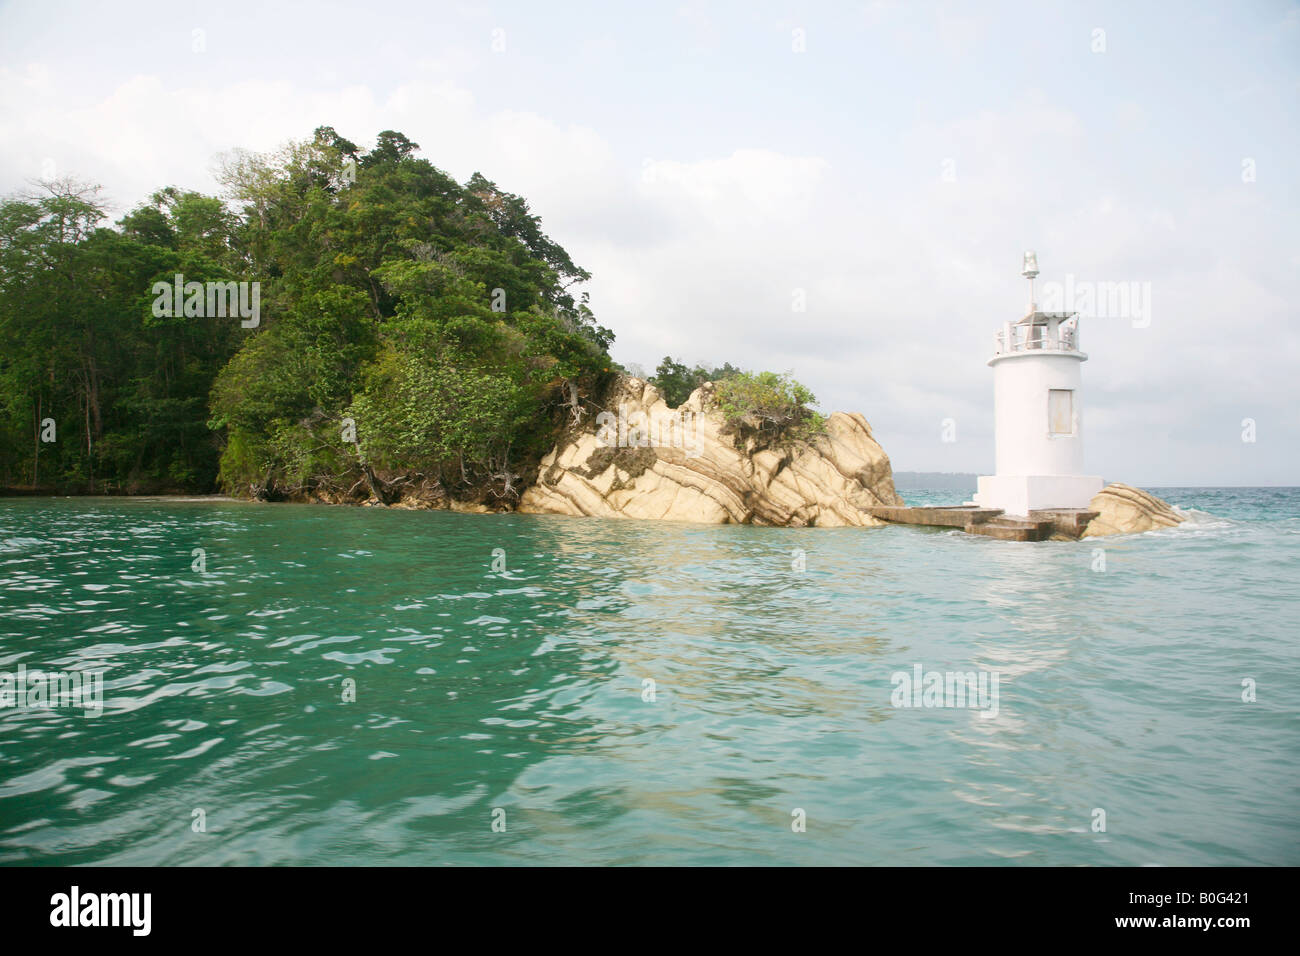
x=1029 y=271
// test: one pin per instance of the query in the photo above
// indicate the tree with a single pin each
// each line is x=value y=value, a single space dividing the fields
x=676 y=382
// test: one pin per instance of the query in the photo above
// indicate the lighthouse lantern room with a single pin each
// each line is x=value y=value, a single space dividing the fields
x=1038 y=414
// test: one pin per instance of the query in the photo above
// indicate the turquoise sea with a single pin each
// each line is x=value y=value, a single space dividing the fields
x=504 y=713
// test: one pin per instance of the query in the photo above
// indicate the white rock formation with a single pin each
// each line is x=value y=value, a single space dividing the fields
x=642 y=459
x=1123 y=509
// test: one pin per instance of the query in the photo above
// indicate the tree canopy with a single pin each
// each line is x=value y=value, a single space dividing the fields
x=409 y=325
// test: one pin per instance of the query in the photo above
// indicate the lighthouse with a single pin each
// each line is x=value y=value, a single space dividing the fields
x=1038 y=414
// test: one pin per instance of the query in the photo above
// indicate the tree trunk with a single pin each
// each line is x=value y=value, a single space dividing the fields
x=36 y=456
x=376 y=486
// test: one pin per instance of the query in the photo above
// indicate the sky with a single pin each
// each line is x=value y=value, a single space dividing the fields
x=840 y=191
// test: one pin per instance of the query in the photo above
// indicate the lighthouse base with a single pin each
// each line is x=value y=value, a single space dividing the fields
x=1021 y=494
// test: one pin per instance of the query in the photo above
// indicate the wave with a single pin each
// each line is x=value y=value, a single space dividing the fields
x=1197 y=522
x=19 y=544
x=1195 y=518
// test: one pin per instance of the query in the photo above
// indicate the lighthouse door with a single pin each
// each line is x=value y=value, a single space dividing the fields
x=1060 y=411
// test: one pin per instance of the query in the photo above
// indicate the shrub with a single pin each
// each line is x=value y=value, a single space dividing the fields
x=769 y=407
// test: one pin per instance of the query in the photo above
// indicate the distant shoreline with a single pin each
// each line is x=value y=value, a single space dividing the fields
x=960 y=481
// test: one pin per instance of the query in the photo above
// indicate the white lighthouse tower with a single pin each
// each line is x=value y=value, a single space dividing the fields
x=1038 y=413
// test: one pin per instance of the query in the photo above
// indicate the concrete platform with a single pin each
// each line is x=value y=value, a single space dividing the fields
x=1069 y=522
x=991 y=522
x=945 y=517
x=1013 y=529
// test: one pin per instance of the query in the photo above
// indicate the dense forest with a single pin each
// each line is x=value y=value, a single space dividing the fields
x=340 y=325
x=408 y=328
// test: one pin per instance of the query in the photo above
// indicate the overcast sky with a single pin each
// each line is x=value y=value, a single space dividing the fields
x=715 y=165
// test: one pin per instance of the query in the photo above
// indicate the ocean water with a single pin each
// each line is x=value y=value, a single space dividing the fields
x=617 y=692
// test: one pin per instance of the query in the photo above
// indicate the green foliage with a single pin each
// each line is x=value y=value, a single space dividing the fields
x=418 y=414
x=245 y=455
x=769 y=406
x=79 y=346
x=438 y=318
x=676 y=382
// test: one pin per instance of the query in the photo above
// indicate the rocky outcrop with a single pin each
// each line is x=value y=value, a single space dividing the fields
x=641 y=459
x=1123 y=509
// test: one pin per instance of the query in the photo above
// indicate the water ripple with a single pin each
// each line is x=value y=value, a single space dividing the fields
x=354 y=685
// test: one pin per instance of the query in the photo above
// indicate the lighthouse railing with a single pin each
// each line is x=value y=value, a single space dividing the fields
x=1023 y=338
